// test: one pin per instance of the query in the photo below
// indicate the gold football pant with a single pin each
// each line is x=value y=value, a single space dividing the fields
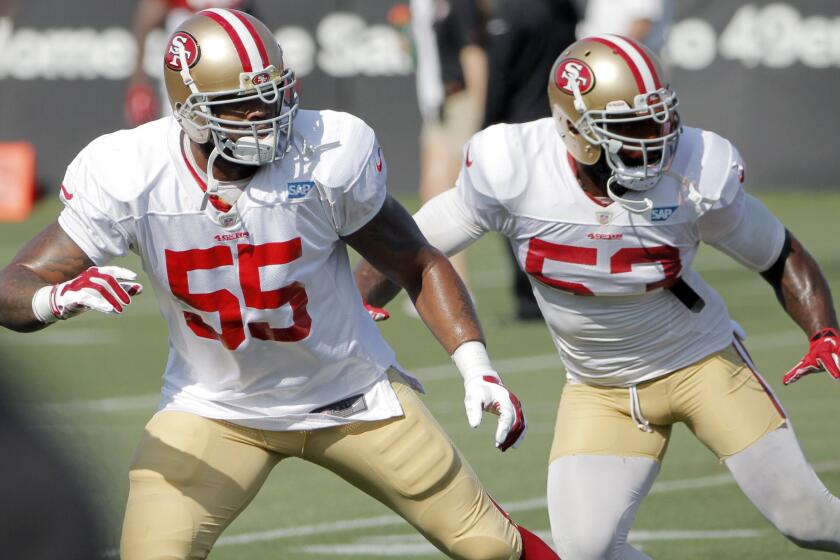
x=191 y=477
x=603 y=465
x=722 y=399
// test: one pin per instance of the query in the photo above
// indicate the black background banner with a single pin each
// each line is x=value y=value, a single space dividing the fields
x=764 y=74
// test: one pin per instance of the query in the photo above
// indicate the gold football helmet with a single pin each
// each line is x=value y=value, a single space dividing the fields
x=608 y=94
x=218 y=62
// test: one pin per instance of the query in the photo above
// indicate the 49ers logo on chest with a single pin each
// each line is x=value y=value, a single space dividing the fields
x=573 y=71
x=182 y=42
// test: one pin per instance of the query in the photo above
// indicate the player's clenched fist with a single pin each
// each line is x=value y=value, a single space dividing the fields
x=107 y=289
x=484 y=392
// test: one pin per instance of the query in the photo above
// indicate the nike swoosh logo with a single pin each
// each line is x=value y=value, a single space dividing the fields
x=468 y=161
x=378 y=159
x=67 y=195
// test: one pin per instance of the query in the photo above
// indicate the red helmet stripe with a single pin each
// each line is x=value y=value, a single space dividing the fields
x=640 y=65
x=234 y=37
x=255 y=36
x=656 y=81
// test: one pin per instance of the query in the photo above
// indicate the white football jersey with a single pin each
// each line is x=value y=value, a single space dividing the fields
x=266 y=327
x=598 y=270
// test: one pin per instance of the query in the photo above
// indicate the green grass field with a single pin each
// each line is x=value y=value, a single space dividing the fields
x=90 y=384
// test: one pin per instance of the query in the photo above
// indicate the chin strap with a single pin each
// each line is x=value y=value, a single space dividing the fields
x=212 y=183
x=635 y=206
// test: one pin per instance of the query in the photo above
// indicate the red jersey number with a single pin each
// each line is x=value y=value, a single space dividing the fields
x=621 y=261
x=227 y=305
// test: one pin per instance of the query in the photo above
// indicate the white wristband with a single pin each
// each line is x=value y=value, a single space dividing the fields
x=472 y=361
x=41 y=305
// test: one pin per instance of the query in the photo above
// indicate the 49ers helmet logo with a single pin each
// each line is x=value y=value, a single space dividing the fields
x=182 y=42
x=573 y=71
x=261 y=78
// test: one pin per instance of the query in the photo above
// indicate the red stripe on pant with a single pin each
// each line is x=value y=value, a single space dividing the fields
x=748 y=361
x=533 y=547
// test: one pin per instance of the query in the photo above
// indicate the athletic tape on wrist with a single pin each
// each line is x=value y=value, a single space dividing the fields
x=472 y=361
x=42 y=307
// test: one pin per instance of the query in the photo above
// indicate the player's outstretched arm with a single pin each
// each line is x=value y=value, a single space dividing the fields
x=392 y=244
x=804 y=294
x=51 y=278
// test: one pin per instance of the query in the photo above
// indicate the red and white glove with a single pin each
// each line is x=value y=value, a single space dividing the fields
x=484 y=391
x=141 y=104
x=823 y=355
x=377 y=313
x=107 y=289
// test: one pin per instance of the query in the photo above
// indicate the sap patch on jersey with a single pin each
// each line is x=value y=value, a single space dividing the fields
x=661 y=214
x=297 y=191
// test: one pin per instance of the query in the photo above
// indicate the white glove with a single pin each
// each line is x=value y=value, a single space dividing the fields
x=107 y=289
x=484 y=391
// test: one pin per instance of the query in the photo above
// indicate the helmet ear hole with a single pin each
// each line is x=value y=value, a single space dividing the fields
x=194 y=130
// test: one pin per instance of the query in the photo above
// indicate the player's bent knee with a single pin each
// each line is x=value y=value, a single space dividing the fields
x=465 y=523
x=483 y=548
x=157 y=527
x=809 y=527
x=586 y=537
x=580 y=546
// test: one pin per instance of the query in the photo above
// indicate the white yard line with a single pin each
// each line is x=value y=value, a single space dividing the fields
x=513 y=507
x=409 y=545
x=507 y=366
x=415 y=545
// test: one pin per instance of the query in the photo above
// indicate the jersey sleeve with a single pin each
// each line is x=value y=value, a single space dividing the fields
x=90 y=217
x=740 y=225
x=353 y=188
x=448 y=223
x=485 y=182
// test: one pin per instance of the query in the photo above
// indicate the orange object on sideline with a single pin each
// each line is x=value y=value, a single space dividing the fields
x=17 y=180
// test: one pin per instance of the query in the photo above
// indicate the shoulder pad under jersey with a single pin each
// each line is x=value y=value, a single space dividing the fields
x=340 y=143
x=711 y=166
x=495 y=162
x=121 y=165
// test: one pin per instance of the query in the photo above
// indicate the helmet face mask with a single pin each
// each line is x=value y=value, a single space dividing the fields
x=607 y=97
x=251 y=127
x=639 y=142
x=227 y=84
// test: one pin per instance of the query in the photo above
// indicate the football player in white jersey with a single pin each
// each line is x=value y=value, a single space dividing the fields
x=605 y=205
x=240 y=207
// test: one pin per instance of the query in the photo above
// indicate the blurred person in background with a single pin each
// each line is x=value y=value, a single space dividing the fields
x=524 y=37
x=606 y=205
x=8 y=8
x=45 y=510
x=451 y=79
x=142 y=104
x=240 y=207
x=646 y=21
